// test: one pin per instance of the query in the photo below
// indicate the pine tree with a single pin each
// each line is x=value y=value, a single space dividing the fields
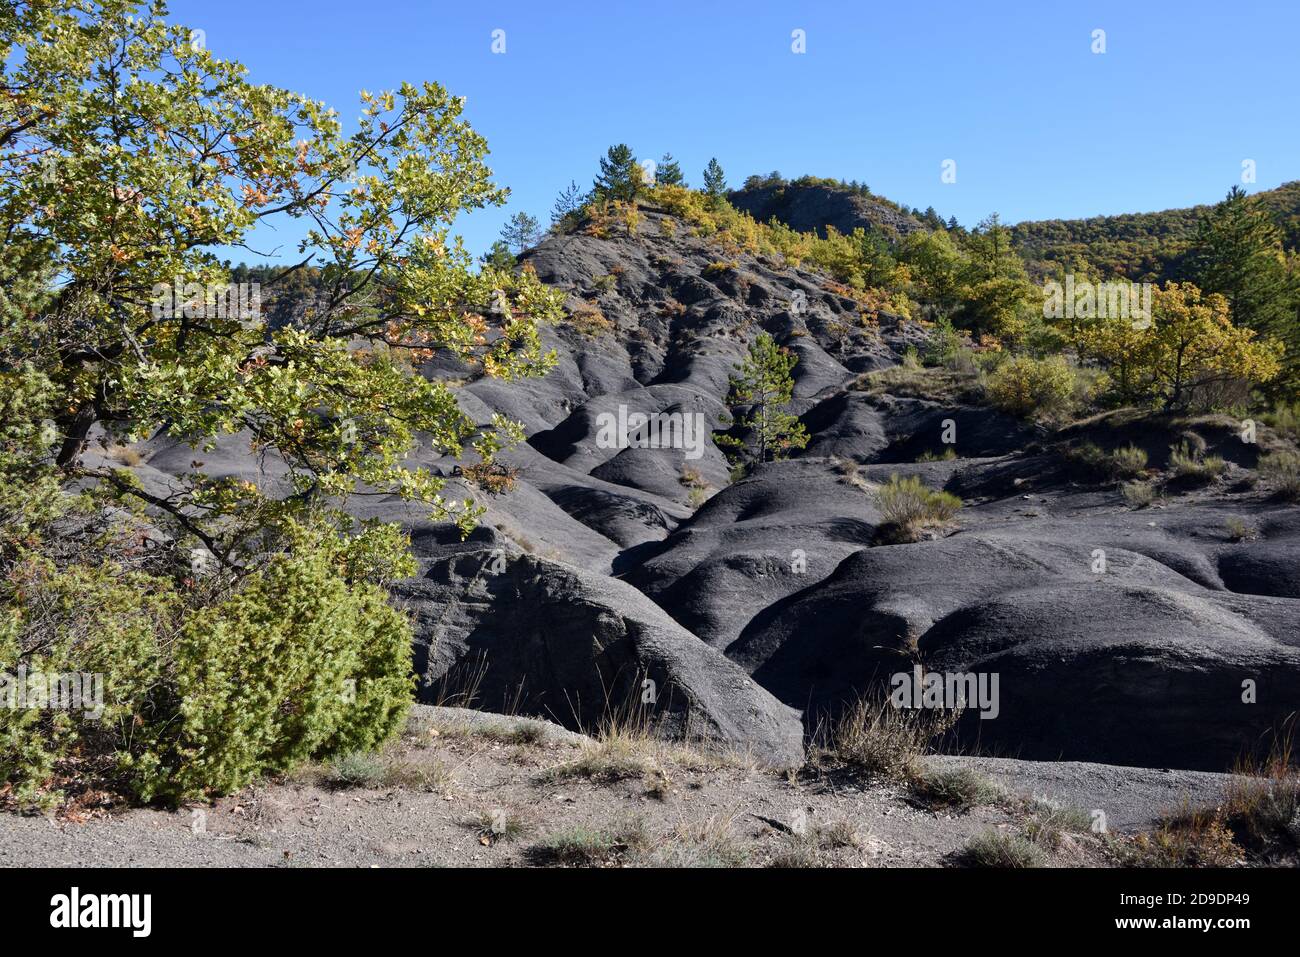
x=764 y=385
x=620 y=175
x=499 y=256
x=567 y=203
x=669 y=172
x=715 y=181
x=521 y=232
x=1239 y=255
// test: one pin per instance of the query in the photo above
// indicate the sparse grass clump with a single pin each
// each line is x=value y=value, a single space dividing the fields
x=1124 y=463
x=1200 y=839
x=357 y=770
x=873 y=737
x=1283 y=470
x=698 y=487
x=959 y=789
x=837 y=834
x=1263 y=805
x=1258 y=819
x=929 y=455
x=712 y=842
x=125 y=454
x=1049 y=821
x=583 y=846
x=912 y=380
x=612 y=758
x=1128 y=462
x=431 y=776
x=363 y=769
x=998 y=850
x=796 y=853
x=908 y=506
x=1240 y=530
x=1265 y=811
x=522 y=734
x=804 y=848
x=1191 y=464
x=847 y=469
x=1139 y=494
x=1285 y=419
x=626 y=746
x=499 y=824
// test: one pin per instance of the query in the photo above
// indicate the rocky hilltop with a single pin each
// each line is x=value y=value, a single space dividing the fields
x=810 y=207
x=746 y=612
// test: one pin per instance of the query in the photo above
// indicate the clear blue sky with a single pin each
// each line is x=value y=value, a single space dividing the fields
x=1039 y=126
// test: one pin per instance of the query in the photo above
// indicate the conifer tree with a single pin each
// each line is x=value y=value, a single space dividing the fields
x=620 y=176
x=521 y=232
x=570 y=200
x=715 y=181
x=1239 y=255
x=764 y=386
x=669 y=172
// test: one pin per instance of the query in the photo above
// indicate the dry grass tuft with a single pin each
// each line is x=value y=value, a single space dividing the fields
x=875 y=738
x=584 y=846
x=959 y=789
x=907 y=507
x=998 y=850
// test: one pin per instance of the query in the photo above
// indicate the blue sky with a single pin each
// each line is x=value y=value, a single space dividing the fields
x=1039 y=125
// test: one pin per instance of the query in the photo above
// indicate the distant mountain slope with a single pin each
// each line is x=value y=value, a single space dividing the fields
x=1140 y=246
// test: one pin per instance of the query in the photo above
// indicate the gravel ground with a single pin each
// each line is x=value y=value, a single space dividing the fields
x=468 y=789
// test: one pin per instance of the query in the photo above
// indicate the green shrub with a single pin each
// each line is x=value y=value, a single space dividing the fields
x=295 y=664
x=1283 y=469
x=84 y=620
x=1027 y=387
x=908 y=505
